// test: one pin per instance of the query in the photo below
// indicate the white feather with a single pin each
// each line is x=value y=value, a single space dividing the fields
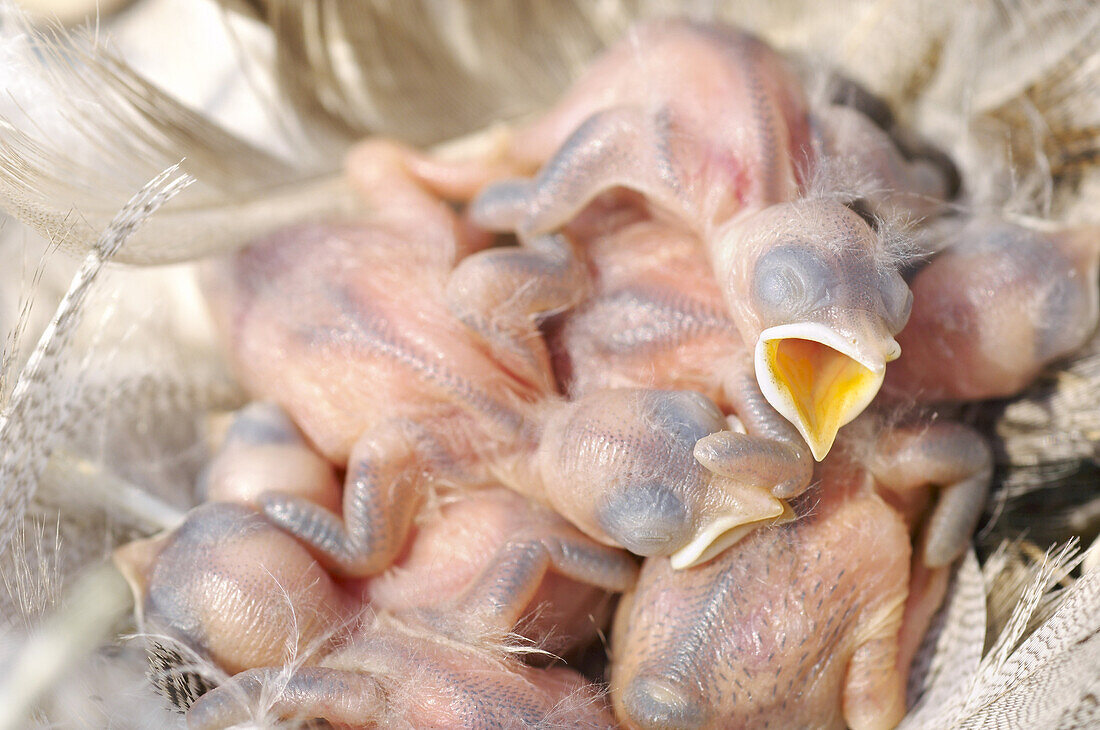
x=952 y=649
x=38 y=407
x=1042 y=667
x=82 y=130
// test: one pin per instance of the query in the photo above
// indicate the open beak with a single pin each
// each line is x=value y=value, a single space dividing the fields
x=817 y=379
x=754 y=508
x=135 y=561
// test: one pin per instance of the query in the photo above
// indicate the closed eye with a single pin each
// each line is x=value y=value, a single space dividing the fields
x=791 y=280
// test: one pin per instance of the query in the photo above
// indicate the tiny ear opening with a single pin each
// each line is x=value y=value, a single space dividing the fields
x=860 y=207
x=848 y=92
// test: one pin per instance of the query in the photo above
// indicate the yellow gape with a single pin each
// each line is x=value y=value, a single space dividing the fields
x=816 y=387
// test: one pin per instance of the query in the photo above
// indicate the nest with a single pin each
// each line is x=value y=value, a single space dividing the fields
x=110 y=369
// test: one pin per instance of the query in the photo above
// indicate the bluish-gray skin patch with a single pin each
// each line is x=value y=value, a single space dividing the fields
x=647 y=515
x=644 y=518
x=790 y=281
x=651 y=703
x=260 y=424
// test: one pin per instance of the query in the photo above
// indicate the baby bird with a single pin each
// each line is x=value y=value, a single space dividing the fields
x=812 y=623
x=670 y=503
x=654 y=318
x=713 y=129
x=234 y=589
x=377 y=343
x=1002 y=301
x=389 y=675
x=245 y=595
x=796 y=627
x=808 y=283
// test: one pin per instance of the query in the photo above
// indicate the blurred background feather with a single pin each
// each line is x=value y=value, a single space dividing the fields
x=256 y=101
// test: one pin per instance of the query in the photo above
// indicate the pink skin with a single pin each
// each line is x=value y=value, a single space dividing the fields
x=508 y=563
x=906 y=459
x=236 y=590
x=391 y=677
x=808 y=624
x=263 y=451
x=312 y=318
x=712 y=129
x=294 y=307
x=653 y=318
x=997 y=306
x=560 y=576
x=415 y=371
x=347 y=328
x=249 y=597
x=643 y=117
x=705 y=122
